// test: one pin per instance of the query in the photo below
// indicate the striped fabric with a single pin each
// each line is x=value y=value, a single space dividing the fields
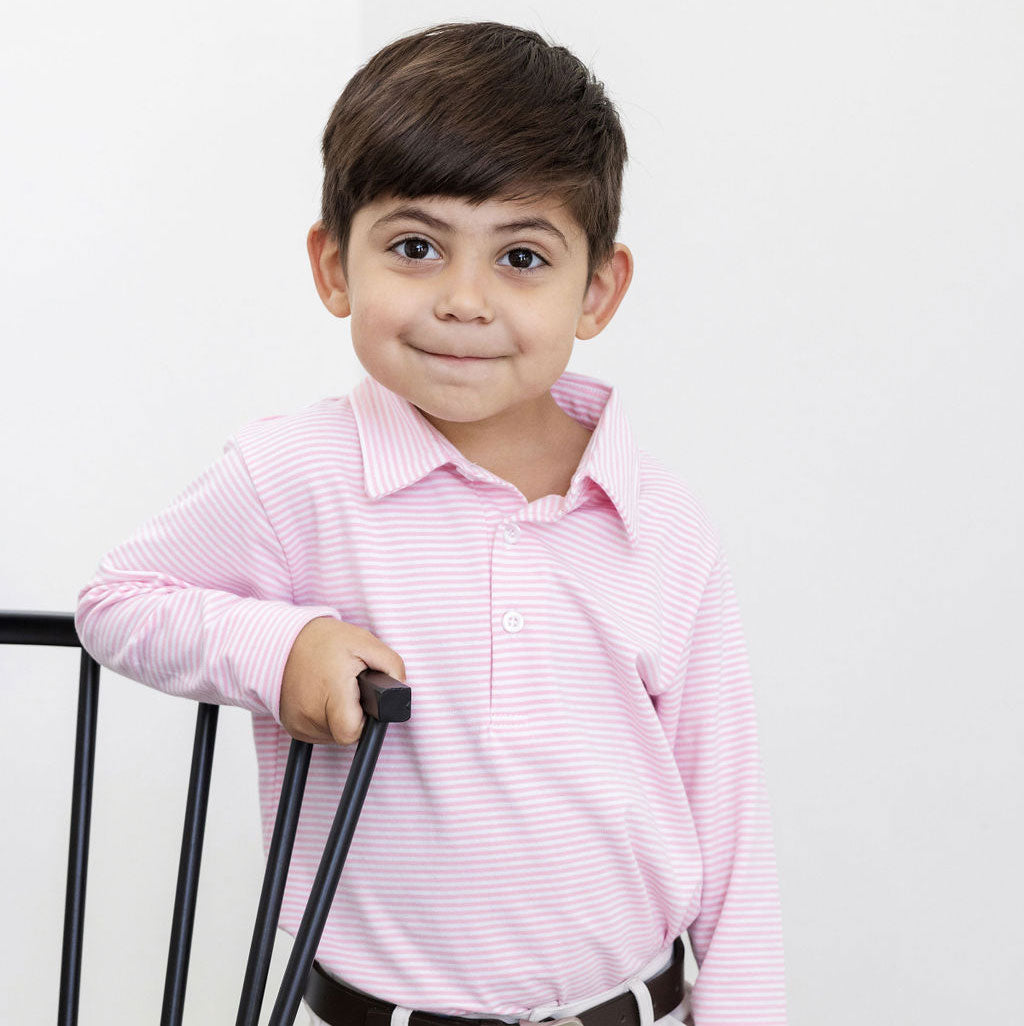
x=580 y=780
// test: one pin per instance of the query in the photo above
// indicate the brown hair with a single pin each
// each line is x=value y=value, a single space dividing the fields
x=476 y=110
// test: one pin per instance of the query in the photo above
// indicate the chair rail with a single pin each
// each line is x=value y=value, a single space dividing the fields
x=21 y=627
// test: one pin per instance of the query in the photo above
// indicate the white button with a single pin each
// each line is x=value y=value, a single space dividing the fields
x=511 y=534
x=512 y=621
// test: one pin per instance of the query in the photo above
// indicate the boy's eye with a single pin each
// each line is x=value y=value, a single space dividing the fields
x=521 y=259
x=413 y=248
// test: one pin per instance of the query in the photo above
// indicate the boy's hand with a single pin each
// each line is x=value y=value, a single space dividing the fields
x=319 y=692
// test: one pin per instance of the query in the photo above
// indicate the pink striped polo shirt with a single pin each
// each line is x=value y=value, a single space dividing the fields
x=580 y=780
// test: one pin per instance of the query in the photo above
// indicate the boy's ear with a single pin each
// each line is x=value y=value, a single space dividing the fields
x=605 y=292
x=325 y=260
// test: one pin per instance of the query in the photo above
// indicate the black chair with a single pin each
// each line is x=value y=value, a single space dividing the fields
x=384 y=700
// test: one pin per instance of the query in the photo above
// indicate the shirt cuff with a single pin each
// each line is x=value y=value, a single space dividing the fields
x=269 y=634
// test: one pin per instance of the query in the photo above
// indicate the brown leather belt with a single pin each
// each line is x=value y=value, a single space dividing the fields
x=339 y=1005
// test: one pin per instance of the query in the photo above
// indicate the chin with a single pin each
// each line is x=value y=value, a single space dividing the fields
x=452 y=415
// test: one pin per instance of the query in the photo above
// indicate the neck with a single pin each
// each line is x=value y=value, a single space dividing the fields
x=510 y=439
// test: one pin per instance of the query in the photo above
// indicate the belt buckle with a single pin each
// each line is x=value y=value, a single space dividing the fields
x=572 y=1020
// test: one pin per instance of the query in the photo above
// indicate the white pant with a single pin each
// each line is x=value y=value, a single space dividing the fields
x=677 y=1017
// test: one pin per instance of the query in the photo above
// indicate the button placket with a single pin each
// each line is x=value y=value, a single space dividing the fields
x=512 y=621
x=508 y=612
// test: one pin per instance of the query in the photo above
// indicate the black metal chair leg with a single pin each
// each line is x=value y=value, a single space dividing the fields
x=278 y=859
x=307 y=938
x=78 y=848
x=188 y=866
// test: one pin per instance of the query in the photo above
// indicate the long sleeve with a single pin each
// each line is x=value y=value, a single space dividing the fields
x=198 y=602
x=737 y=936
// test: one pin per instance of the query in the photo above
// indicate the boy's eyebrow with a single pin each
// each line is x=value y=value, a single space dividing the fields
x=414 y=213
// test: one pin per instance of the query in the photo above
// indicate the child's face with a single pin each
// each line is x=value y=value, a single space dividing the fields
x=464 y=313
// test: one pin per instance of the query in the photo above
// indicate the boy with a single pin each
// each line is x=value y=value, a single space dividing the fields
x=580 y=781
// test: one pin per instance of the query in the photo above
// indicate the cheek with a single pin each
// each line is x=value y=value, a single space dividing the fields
x=376 y=316
x=549 y=323
x=403 y=298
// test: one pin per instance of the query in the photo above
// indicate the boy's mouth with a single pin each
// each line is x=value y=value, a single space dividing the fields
x=469 y=357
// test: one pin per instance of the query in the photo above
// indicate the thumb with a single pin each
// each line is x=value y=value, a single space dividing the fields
x=379 y=656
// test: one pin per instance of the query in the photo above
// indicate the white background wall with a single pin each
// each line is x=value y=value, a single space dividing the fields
x=823 y=336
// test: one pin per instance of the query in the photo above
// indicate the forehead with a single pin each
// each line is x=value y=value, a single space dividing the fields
x=548 y=215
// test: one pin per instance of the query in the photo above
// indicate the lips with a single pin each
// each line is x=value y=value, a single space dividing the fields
x=453 y=356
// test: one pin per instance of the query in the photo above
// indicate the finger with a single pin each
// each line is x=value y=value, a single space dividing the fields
x=305 y=728
x=343 y=712
x=379 y=656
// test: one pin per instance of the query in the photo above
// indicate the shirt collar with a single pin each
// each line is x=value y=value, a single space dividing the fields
x=400 y=446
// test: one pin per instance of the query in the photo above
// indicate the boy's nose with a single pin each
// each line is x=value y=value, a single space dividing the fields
x=463 y=293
